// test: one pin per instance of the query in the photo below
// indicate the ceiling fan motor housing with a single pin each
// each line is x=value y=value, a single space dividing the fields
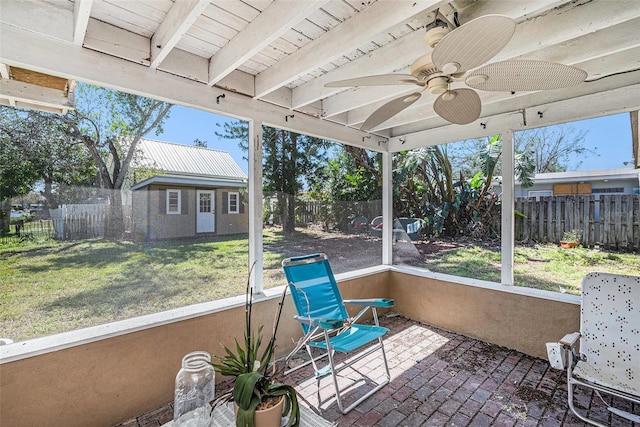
x=435 y=32
x=422 y=67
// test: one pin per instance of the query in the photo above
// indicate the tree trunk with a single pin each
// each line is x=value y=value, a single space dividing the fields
x=290 y=226
x=5 y=214
x=282 y=208
x=114 y=218
x=48 y=194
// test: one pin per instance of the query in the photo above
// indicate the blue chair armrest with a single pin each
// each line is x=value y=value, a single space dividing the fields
x=323 y=323
x=374 y=302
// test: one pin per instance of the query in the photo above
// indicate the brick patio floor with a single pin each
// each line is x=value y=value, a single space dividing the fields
x=440 y=378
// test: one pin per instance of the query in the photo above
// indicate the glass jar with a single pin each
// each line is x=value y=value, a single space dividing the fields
x=195 y=386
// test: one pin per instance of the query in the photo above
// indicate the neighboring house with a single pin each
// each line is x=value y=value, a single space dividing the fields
x=193 y=191
x=594 y=182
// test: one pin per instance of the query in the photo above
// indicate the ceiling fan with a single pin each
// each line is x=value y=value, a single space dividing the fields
x=455 y=52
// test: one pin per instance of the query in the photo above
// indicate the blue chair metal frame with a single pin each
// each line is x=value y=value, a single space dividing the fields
x=326 y=324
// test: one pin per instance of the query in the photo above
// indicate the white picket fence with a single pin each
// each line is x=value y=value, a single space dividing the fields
x=73 y=222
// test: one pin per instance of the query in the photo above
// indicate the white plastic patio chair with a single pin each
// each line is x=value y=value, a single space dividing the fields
x=609 y=338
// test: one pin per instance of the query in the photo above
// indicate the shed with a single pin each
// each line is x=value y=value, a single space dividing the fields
x=188 y=191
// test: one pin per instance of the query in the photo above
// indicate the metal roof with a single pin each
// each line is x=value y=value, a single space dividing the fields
x=181 y=181
x=592 y=175
x=581 y=176
x=188 y=160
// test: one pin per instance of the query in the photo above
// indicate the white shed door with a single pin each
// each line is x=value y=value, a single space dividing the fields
x=206 y=211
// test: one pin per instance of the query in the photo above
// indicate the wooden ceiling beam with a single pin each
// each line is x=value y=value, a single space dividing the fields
x=47 y=55
x=176 y=23
x=81 y=14
x=267 y=27
x=4 y=71
x=342 y=39
x=36 y=97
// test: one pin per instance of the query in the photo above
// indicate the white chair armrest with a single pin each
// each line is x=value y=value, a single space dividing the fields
x=571 y=339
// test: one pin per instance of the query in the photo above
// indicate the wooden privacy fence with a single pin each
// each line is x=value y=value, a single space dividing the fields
x=610 y=221
x=309 y=211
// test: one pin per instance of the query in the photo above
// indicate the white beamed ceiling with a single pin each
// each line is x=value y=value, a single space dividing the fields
x=271 y=59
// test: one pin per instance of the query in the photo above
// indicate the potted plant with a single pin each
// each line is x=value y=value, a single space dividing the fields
x=570 y=239
x=258 y=397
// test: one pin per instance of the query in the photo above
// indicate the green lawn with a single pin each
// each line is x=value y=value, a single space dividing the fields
x=541 y=266
x=49 y=287
x=66 y=285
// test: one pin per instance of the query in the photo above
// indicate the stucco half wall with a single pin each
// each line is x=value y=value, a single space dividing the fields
x=510 y=319
x=108 y=381
x=111 y=379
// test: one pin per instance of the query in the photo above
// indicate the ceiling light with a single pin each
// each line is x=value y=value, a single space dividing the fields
x=449 y=95
x=451 y=68
x=477 y=79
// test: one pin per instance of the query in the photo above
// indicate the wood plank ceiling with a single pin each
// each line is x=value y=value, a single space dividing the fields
x=278 y=56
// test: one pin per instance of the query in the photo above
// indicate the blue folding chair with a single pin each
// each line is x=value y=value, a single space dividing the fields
x=326 y=324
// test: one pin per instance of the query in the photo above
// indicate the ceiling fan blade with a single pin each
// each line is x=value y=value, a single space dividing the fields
x=389 y=110
x=523 y=75
x=377 y=80
x=459 y=106
x=473 y=43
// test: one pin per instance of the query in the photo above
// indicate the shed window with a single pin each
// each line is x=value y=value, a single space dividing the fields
x=173 y=202
x=234 y=203
x=540 y=193
x=608 y=190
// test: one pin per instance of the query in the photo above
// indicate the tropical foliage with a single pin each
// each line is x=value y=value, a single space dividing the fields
x=452 y=203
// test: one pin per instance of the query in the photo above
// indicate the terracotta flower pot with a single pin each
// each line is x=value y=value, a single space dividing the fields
x=270 y=417
x=568 y=245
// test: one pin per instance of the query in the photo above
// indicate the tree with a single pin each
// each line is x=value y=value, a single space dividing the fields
x=108 y=124
x=17 y=177
x=41 y=141
x=351 y=175
x=290 y=160
x=200 y=143
x=554 y=148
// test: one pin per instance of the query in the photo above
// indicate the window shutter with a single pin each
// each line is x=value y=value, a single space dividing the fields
x=225 y=202
x=162 y=201
x=184 y=201
x=240 y=204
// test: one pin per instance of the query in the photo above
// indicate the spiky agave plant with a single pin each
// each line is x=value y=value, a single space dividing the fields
x=254 y=386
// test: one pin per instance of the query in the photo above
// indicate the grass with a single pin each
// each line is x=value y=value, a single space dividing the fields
x=67 y=285
x=545 y=267
x=47 y=287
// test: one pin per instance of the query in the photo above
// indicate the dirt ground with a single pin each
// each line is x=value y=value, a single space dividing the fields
x=348 y=252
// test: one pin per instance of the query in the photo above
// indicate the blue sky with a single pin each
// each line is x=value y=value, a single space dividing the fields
x=609 y=136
